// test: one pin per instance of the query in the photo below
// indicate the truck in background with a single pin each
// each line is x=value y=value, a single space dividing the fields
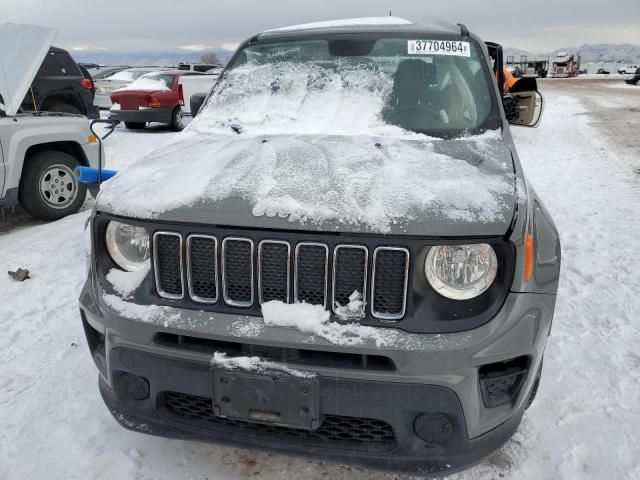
x=565 y=65
x=190 y=85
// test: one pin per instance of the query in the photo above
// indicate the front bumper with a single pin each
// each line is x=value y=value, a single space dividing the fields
x=432 y=373
x=159 y=115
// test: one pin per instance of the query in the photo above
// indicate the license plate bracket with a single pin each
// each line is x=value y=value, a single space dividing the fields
x=281 y=400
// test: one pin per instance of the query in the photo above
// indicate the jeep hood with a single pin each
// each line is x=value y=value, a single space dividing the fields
x=22 y=50
x=413 y=186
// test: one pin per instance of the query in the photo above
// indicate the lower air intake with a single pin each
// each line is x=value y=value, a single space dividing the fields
x=365 y=433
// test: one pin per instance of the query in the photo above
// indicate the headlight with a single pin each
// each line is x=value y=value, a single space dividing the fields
x=128 y=246
x=461 y=272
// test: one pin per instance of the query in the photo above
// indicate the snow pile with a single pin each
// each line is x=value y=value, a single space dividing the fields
x=314 y=319
x=147 y=84
x=125 y=283
x=352 y=310
x=143 y=313
x=346 y=22
x=367 y=183
x=255 y=364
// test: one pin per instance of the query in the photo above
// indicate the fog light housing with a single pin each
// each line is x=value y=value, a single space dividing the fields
x=132 y=387
x=433 y=427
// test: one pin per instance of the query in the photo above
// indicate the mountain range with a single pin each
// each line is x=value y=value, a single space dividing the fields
x=624 y=53
x=166 y=57
x=590 y=52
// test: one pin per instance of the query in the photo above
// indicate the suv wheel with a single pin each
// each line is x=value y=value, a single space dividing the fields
x=135 y=125
x=48 y=188
x=176 y=120
x=64 y=108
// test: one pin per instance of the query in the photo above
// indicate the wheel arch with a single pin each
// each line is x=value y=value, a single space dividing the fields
x=67 y=146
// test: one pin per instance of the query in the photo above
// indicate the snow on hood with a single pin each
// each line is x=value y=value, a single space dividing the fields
x=22 y=50
x=325 y=182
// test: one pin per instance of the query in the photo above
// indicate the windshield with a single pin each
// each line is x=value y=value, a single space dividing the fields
x=356 y=86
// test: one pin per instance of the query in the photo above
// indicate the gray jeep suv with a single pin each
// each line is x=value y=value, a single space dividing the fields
x=339 y=258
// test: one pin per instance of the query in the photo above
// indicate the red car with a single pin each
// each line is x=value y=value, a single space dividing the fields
x=153 y=97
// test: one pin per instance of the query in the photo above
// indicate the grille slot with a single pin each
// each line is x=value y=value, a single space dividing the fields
x=311 y=273
x=167 y=259
x=349 y=275
x=274 y=271
x=290 y=356
x=355 y=432
x=237 y=271
x=202 y=268
x=389 y=283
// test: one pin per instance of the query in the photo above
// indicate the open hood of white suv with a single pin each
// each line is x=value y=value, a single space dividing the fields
x=22 y=50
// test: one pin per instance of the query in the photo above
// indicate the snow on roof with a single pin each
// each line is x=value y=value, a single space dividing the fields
x=148 y=82
x=347 y=22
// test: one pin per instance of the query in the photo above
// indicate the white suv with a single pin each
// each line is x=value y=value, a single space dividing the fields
x=38 y=150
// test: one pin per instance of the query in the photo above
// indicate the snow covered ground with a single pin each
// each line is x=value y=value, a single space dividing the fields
x=585 y=422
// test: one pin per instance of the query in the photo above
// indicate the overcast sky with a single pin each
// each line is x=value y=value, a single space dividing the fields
x=539 y=26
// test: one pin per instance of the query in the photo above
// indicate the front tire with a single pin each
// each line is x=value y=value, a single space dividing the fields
x=48 y=188
x=135 y=125
x=176 y=124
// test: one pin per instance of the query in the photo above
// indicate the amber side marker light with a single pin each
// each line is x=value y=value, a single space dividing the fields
x=528 y=257
x=92 y=139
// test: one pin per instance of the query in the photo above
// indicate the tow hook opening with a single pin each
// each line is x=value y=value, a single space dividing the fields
x=500 y=382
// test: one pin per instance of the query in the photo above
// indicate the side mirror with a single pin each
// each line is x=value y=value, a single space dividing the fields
x=524 y=104
x=196 y=101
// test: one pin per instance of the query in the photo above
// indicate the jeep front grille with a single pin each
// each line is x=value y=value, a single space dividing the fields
x=237 y=271
x=389 y=289
x=167 y=248
x=241 y=272
x=202 y=268
x=311 y=273
x=274 y=271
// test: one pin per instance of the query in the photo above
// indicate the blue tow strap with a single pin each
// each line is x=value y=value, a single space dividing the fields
x=91 y=174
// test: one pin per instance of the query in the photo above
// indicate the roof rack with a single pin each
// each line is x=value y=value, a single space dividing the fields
x=464 y=31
